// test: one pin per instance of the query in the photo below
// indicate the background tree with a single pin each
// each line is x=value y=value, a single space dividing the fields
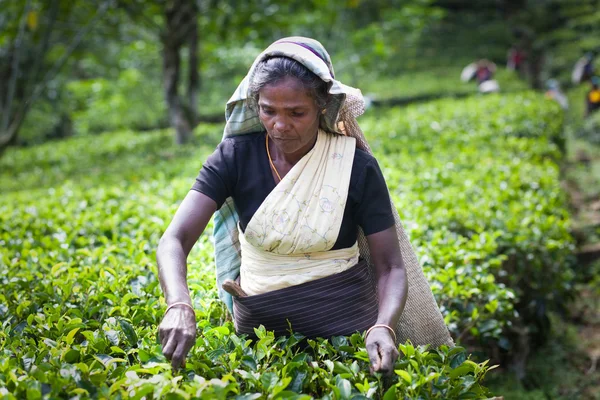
x=181 y=28
x=195 y=38
x=553 y=33
x=35 y=44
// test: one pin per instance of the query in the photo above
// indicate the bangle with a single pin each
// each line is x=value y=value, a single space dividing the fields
x=180 y=303
x=381 y=326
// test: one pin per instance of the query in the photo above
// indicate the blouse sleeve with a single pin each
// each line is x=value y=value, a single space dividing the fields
x=374 y=210
x=215 y=179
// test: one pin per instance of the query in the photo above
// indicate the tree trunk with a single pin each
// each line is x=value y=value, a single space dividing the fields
x=7 y=127
x=180 y=20
x=9 y=136
x=536 y=65
x=22 y=83
x=177 y=117
x=194 y=76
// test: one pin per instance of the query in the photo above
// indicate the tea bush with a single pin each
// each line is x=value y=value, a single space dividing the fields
x=475 y=182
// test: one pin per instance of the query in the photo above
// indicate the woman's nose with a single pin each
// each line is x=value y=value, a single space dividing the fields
x=281 y=124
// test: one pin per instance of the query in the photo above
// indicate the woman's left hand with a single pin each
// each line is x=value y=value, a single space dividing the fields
x=382 y=351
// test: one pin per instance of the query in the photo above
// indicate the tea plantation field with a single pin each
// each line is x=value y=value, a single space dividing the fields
x=477 y=185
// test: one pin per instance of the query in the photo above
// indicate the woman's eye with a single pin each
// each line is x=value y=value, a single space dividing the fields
x=298 y=114
x=267 y=111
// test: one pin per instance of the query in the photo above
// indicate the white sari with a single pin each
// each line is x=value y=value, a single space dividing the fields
x=288 y=241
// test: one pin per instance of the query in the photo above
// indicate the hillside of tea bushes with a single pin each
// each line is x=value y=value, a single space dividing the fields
x=475 y=181
x=477 y=184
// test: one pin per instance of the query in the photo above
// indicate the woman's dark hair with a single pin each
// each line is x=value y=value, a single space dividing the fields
x=275 y=69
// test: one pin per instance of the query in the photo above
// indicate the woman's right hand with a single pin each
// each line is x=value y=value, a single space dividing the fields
x=177 y=333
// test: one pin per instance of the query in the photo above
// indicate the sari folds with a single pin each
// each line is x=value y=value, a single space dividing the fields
x=293 y=278
x=288 y=241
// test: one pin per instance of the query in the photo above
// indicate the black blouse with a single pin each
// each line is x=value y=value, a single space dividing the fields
x=239 y=168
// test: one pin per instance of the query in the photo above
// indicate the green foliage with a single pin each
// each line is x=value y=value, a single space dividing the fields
x=590 y=130
x=130 y=101
x=112 y=159
x=556 y=369
x=115 y=74
x=88 y=327
x=556 y=33
x=103 y=360
x=34 y=48
x=377 y=34
x=461 y=37
x=475 y=182
x=575 y=30
x=45 y=121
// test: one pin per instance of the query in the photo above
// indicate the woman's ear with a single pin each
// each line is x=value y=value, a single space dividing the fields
x=252 y=104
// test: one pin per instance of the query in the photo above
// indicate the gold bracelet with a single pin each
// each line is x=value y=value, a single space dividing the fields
x=180 y=303
x=381 y=326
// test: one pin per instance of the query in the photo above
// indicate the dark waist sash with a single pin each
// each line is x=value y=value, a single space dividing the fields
x=339 y=304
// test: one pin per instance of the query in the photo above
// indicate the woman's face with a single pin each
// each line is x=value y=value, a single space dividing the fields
x=290 y=116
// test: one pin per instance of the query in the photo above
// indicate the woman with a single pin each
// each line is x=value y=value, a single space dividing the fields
x=305 y=195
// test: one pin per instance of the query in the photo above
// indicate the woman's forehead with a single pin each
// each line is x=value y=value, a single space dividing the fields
x=289 y=92
x=288 y=82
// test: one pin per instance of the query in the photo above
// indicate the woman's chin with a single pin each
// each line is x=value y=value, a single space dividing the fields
x=286 y=145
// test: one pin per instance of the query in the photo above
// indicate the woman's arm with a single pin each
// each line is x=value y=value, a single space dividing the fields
x=392 y=288
x=177 y=331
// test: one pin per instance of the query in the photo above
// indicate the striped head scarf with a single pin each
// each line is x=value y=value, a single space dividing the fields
x=345 y=103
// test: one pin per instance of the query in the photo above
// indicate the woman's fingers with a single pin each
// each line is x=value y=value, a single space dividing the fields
x=374 y=358
x=389 y=355
x=163 y=335
x=179 y=355
x=185 y=343
x=169 y=347
x=177 y=346
x=176 y=349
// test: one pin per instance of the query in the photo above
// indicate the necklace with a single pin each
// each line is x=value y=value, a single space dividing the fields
x=269 y=155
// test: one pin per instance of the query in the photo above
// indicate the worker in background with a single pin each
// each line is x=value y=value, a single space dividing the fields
x=592 y=99
x=555 y=93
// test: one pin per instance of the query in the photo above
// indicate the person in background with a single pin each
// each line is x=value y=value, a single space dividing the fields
x=584 y=69
x=484 y=76
x=588 y=68
x=592 y=99
x=485 y=71
x=555 y=93
x=515 y=59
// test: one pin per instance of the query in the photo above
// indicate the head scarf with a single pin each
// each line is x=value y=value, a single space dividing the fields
x=344 y=105
x=421 y=320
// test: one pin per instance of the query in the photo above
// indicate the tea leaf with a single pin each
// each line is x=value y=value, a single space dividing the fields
x=129 y=332
x=404 y=375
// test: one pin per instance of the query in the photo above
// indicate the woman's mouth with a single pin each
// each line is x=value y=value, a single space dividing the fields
x=281 y=138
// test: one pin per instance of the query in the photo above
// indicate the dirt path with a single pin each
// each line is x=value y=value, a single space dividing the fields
x=584 y=309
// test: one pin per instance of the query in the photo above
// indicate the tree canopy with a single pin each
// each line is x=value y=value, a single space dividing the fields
x=187 y=51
